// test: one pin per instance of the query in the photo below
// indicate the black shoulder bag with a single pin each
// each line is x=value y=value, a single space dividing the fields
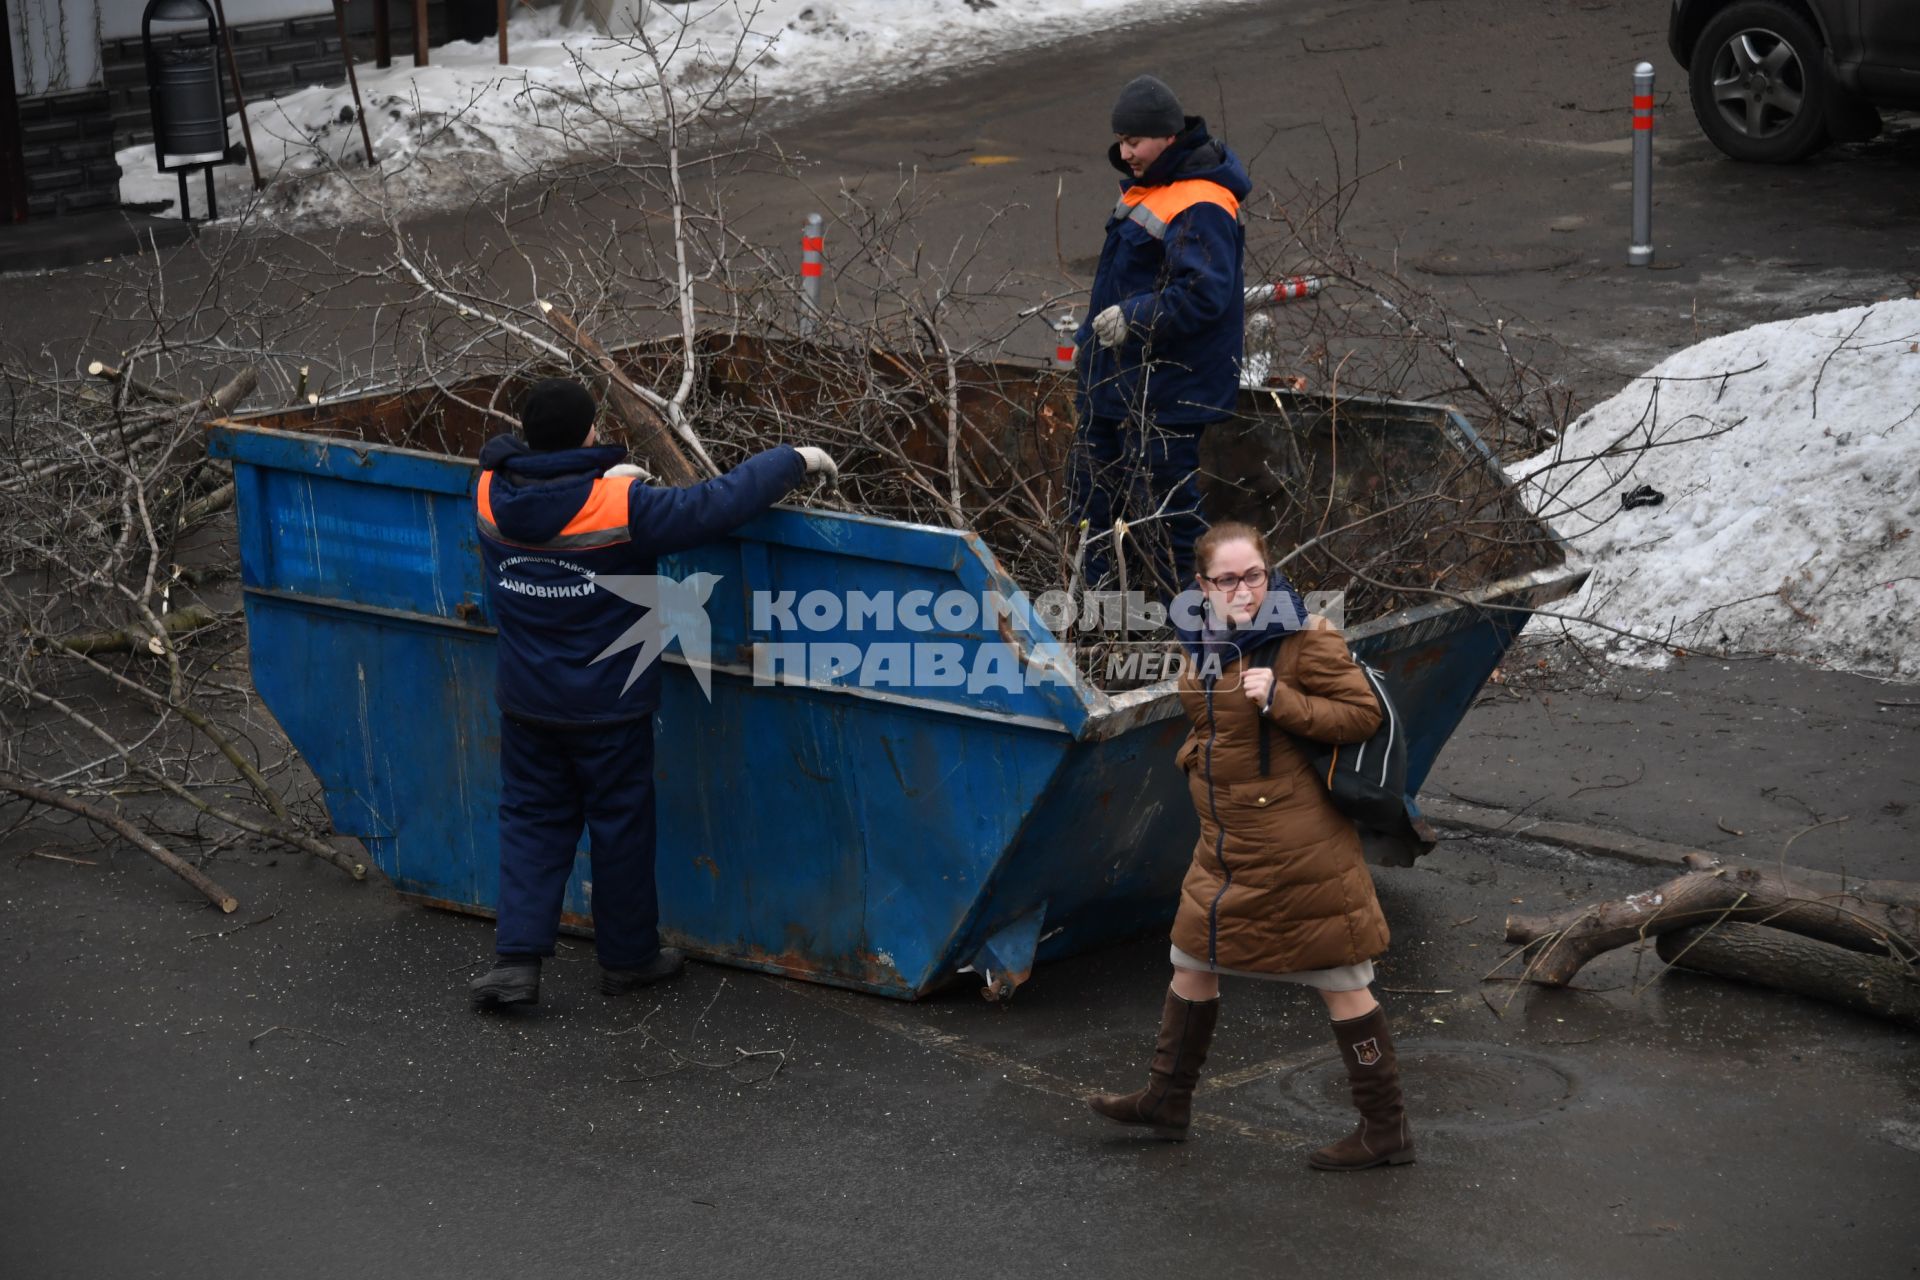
x=1366 y=780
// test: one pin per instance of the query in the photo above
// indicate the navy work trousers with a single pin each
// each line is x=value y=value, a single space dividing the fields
x=553 y=782
x=1121 y=470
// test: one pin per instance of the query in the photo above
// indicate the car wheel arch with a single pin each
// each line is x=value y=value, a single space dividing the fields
x=1696 y=16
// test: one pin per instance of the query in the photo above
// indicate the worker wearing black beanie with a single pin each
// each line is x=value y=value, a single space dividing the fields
x=1158 y=355
x=1146 y=108
x=571 y=534
x=557 y=414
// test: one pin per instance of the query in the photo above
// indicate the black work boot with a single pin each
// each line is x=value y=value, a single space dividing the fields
x=512 y=980
x=624 y=982
x=1165 y=1106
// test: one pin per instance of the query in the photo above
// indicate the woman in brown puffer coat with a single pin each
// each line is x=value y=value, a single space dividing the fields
x=1278 y=889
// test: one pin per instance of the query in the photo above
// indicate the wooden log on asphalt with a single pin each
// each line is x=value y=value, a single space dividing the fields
x=1895 y=893
x=181 y=622
x=1875 y=985
x=648 y=433
x=125 y=830
x=1561 y=944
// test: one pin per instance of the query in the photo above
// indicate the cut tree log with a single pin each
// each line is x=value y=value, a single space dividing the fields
x=125 y=830
x=209 y=503
x=181 y=622
x=221 y=400
x=162 y=395
x=649 y=435
x=1876 y=985
x=1895 y=893
x=1561 y=944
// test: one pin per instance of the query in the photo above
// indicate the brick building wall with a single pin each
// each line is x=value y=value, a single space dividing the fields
x=67 y=145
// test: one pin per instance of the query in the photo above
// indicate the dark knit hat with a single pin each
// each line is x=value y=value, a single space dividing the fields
x=556 y=415
x=1147 y=109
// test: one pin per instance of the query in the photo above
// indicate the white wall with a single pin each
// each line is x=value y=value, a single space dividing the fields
x=122 y=17
x=56 y=45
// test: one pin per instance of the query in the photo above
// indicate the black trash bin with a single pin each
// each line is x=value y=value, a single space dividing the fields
x=185 y=94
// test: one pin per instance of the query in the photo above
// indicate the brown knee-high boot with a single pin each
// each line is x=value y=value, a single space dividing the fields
x=1373 y=1069
x=1166 y=1104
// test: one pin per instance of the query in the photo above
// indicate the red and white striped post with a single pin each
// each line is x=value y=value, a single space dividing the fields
x=1291 y=289
x=813 y=244
x=1063 y=329
x=1640 y=251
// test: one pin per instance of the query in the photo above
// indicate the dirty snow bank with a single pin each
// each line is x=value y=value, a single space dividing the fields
x=1788 y=455
x=445 y=131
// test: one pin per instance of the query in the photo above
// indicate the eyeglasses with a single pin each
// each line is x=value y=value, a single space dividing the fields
x=1231 y=582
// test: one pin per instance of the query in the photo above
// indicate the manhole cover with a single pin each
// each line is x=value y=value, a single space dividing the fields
x=1448 y=1086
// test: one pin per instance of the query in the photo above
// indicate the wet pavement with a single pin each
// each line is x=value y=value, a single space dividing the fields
x=1770 y=760
x=299 y=1090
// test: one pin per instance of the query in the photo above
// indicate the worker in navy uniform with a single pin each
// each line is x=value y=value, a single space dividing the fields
x=1158 y=357
x=563 y=519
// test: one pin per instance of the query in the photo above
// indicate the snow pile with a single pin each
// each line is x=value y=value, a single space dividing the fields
x=1788 y=455
x=445 y=131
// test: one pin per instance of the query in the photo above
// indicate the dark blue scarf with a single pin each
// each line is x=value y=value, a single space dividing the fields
x=1213 y=644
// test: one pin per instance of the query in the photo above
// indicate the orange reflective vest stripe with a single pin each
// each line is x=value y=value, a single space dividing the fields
x=1153 y=208
x=600 y=522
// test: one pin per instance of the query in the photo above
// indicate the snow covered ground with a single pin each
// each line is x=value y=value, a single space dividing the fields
x=443 y=132
x=1788 y=455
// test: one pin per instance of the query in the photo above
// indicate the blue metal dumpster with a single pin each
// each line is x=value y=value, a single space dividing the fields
x=879 y=837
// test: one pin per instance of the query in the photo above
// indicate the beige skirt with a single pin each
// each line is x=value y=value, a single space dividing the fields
x=1348 y=977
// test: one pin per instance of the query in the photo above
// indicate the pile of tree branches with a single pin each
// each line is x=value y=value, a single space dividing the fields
x=123 y=662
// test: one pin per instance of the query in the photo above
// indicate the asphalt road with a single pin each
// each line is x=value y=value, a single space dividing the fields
x=1495 y=139
x=1769 y=760
x=308 y=1096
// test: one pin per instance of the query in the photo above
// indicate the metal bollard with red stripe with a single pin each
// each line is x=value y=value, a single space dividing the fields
x=1064 y=328
x=1640 y=251
x=1292 y=289
x=813 y=245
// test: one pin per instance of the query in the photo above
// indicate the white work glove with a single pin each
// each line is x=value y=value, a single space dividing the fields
x=626 y=470
x=819 y=463
x=1110 y=326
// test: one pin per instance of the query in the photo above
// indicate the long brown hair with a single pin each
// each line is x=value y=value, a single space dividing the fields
x=1221 y=534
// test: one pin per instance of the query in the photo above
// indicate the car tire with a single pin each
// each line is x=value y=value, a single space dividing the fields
x=1759 y=83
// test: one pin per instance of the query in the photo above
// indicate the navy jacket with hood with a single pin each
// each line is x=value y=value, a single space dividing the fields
x=1172 y=262
x=550 y=524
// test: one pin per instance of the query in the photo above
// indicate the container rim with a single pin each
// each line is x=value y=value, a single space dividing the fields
x=1116 y=713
